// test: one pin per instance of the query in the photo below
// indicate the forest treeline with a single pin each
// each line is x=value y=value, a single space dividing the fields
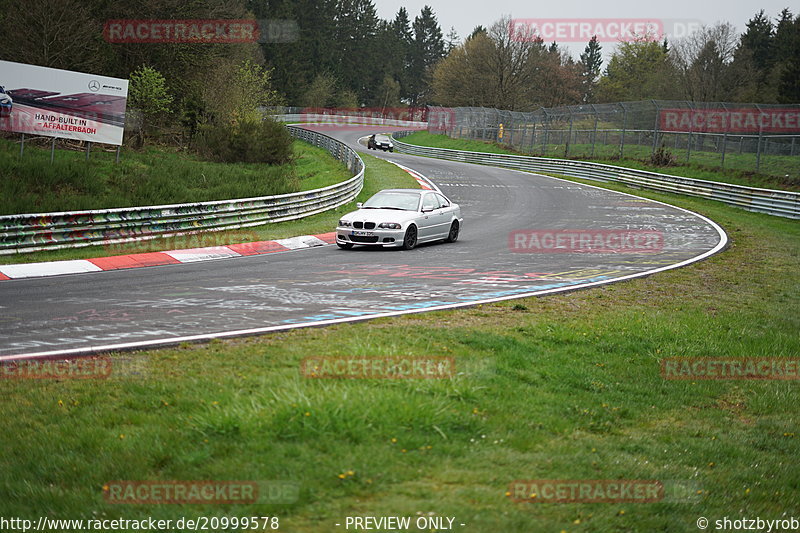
x=342 y=54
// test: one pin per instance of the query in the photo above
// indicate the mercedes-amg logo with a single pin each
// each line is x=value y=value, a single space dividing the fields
x=94 y=86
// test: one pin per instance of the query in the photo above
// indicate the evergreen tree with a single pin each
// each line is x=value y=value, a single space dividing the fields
x=451 y=41
x=401 y=41
x=758 y=39
x=477 y=31
x=755 y=50
x=789 y=76
x=591 y=60
x=427 y=50
x=358 y=47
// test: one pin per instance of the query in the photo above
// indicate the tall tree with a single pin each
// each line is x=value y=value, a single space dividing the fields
x=358 y=47
x=703 y=62
x=590 y=63
x=297 y=63
x=427 y=49
x=400 y=42
x=789 y=61
x=506 y=71
x=451 y=41
x=638 y=70
x=758 y=39
x=755 y=52
x=477 y=31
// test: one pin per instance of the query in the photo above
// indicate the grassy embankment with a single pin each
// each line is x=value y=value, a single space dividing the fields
x=158 y=176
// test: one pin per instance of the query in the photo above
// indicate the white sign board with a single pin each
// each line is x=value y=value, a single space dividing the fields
x=61 y=103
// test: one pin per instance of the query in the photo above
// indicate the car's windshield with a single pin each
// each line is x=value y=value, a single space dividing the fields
x=407 y=201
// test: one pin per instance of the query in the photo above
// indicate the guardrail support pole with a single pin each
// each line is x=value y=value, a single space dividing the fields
x=569 y=135
x=724 y=145
x=655 y=127
x=622 y=136
x=758 y=148
x=22 y=145
x=52 y=150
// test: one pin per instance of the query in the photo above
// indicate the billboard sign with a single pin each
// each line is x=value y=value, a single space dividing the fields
x=62 y=103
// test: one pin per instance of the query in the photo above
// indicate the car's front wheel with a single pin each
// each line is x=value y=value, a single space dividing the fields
x=410 y=238
x=453 y=235
x=344 y=245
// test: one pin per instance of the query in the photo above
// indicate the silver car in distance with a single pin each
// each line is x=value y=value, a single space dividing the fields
x=400 y=218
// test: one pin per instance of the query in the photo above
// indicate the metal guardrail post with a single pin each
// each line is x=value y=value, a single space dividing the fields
x=546 y=124
x=624 y=125
x=655 y=126
x=594 y=133
x=569 y=134
x=760 y=136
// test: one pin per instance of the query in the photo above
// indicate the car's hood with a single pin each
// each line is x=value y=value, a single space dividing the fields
x=380 y=215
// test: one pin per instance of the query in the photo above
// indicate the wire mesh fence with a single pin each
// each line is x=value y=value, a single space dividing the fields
x=752 y=137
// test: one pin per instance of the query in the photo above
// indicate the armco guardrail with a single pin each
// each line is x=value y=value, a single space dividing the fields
x=46 y=231
x=770 y=201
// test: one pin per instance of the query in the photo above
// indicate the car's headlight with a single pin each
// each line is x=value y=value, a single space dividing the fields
x=345 y=223
x=389 y=225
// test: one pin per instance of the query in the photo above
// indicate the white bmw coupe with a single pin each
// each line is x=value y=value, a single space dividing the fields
x=400 y=218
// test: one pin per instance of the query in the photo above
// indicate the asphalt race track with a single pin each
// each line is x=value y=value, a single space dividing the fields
x=92 y=312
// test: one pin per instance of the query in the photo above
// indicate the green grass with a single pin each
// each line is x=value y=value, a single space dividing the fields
x=153 y=176
x=315 y=168
x=777 y=172
x=560 y=387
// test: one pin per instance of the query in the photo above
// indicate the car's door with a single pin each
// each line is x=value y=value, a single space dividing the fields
x=434 y=217
x=441 y=223
x=427 y=218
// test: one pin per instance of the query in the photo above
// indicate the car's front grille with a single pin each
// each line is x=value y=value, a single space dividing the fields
x=364 y=225
x=359 y=238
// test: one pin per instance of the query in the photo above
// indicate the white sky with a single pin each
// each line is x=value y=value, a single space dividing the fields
x=464 y=16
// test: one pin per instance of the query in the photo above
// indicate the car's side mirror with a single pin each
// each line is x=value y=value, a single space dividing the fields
x=427 y=209
x=359 y=205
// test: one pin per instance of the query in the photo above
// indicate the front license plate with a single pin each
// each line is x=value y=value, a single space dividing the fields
x=362 y=234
